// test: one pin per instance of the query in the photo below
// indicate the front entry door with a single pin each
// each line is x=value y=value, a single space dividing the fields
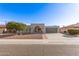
x=38 y=29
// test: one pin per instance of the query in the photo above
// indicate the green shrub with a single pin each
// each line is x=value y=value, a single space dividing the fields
x=73 y=31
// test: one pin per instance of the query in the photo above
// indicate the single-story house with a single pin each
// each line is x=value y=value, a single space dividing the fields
x=2 y=27
x=65 y=28
x=41 y=28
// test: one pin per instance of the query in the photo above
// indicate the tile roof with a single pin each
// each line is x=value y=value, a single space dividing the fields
x=2 y=25
x=74 y=25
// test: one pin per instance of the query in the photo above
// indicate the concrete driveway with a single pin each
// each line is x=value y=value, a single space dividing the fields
x=59 y=36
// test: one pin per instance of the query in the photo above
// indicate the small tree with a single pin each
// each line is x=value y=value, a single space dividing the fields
x=15 y=26
x=21 y=26
x=11 y=26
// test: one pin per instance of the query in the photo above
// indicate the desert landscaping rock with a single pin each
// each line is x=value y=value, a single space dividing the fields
x=27 y=36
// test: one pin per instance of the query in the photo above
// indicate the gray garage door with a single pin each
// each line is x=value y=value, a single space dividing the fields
x=51 y=30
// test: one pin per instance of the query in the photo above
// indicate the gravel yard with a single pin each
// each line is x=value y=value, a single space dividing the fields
x=27 y=36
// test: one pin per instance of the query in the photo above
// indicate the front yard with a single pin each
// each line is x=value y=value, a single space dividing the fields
x=48 y=36
x=27 y=36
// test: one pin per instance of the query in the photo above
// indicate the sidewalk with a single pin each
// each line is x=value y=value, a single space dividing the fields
x=39 y=50
x=36 y=41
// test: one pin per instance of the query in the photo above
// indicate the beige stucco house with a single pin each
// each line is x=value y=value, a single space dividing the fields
x=41 y=28
x=2 y=27
x=65 y=28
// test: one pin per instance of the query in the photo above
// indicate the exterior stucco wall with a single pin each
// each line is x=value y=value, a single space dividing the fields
x=42 y=26
x=45 y=29
x=1 y=29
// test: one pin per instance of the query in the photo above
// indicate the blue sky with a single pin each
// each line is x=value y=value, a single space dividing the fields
x=47 y=13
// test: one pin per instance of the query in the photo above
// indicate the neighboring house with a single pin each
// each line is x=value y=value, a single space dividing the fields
x=65 y=28
x=2 y=28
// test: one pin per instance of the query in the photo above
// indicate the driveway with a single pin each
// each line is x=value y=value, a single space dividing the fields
x=59 y=36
